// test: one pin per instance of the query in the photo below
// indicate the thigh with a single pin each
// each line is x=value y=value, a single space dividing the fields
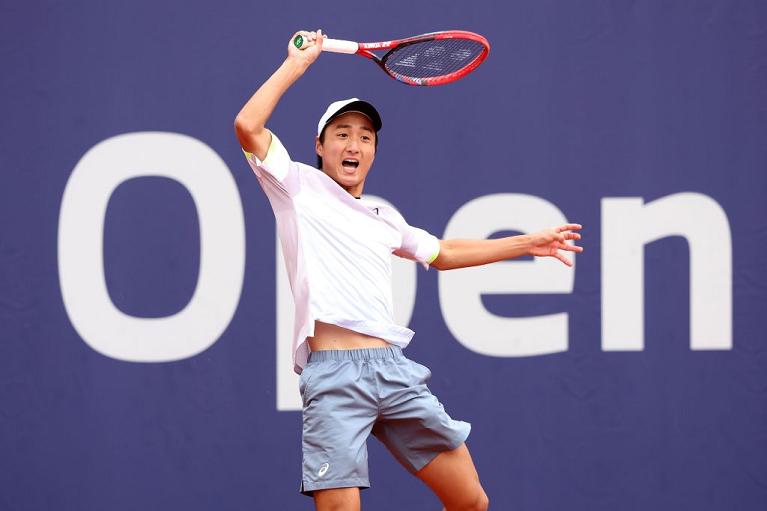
x=454 y=479
x=346 y=499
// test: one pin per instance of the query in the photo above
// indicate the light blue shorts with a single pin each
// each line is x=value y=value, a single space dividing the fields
x=348 y=394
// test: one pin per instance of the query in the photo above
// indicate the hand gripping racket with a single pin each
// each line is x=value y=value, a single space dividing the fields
x=436 y=58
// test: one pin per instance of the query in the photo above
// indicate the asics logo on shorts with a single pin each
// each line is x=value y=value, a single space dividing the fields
x=323 y=468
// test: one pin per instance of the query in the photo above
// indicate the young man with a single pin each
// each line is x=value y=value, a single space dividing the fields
x=354 y=378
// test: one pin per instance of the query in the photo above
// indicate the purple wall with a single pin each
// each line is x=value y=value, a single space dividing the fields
x=579 y=101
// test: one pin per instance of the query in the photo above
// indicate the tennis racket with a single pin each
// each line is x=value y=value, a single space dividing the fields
x=436 y=58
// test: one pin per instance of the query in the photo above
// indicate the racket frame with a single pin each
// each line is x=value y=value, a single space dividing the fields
x=366 y=50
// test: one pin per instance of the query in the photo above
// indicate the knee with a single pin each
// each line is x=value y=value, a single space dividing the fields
x=484 y=502
x=480 y=502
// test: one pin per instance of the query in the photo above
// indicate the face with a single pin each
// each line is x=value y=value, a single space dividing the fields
x=348 y=150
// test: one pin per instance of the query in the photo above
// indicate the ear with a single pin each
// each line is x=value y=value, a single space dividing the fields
x=318 y=147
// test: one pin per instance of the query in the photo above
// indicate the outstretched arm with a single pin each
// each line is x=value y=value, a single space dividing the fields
x=549 y=242
x=251 y=121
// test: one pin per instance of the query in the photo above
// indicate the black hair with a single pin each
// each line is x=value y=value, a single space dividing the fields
x=322 y=141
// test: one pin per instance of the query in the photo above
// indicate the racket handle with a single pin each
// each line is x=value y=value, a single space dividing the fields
x=332 y=45
x=339 y=46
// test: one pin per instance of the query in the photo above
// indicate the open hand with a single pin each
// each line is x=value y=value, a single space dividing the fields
x=549 y=242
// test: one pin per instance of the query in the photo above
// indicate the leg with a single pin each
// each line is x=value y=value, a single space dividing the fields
x=337 y=499
x=420 y=434
x=453 y=478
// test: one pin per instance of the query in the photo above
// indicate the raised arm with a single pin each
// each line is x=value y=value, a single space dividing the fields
x=250 y=124
x=463 y=253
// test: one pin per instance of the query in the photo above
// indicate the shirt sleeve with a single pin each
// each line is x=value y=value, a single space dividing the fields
x=417 y=244
x=276 y=171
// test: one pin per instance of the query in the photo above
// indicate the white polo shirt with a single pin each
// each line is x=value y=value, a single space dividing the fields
x=337 y=251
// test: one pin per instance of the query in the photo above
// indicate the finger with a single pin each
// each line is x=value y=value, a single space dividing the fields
x=569 y=238
x=569 y=227
x=320 y=38
x=564 y=259
x=571 y=248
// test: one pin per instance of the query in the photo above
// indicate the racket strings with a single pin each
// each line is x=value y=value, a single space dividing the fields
x=434 y=58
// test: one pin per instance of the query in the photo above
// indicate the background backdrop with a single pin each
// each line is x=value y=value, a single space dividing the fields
x=578 y=101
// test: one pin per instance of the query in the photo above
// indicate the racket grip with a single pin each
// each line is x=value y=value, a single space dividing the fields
x=332 y=45
x=339 y=46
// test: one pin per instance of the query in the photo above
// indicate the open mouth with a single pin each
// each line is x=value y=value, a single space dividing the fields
x=350 y=164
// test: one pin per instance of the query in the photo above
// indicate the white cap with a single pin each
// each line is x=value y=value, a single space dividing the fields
x=349 y=105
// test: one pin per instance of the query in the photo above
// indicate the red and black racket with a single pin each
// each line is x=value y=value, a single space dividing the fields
x=429 y=59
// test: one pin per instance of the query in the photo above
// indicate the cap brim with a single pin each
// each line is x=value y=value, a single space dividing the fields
x=362 y=107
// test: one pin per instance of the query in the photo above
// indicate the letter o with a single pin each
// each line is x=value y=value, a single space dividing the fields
x=86 y=298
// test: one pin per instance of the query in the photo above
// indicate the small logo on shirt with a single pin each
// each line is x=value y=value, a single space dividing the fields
x=323 y=468
x=376 y=210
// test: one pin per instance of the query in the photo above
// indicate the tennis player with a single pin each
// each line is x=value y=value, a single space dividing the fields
x=355 y=379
